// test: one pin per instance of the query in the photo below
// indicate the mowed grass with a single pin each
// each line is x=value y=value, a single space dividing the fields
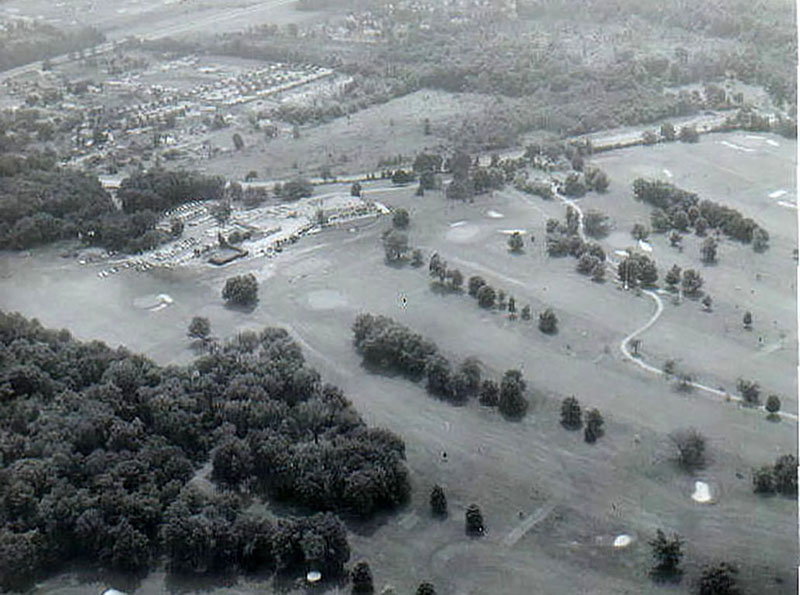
x=714 y=345
x=585 y=494
x=351 y=144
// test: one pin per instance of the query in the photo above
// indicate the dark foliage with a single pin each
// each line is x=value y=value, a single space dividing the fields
x=474 y=520
x=241 y=290
x=438 y=501
x=667 y=553
x=97 y=445
x=571 y=413
x=512 y=401
x=719 y=579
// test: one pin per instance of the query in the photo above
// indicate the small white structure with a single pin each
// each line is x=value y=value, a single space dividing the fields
x=113 y=592
x=314 y=576
x=702 y=493
x=622 y=541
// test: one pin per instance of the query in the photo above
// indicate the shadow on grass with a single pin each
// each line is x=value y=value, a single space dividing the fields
x=666 y=577
x=367 y=527
x=180 y=583
x=244 y=308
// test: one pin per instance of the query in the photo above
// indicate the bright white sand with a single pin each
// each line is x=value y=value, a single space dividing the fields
x=494 y=214
x=509 y=232
x=621 y=252
x=777 y=193
x=788 y=205
x=774 y=143
x=457 y=224
x=645 y=246
x=623 y=540
x=667 y=173
x=313 y=576
x=702 y=492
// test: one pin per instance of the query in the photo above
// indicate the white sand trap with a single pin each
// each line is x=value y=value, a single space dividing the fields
x=621 y=252
x=777 y=193
x=667 y=173
x=494 y=214
x=773 y=143
x=464 y=233
x=458 y=224
x=645 y=246
x=314 y=576
x=737 y=147
x=509 y=232
x=702 y=492
x=788 y=205
x=326 y=299
x=153 y=302
x=623 y=541
x=751 y=137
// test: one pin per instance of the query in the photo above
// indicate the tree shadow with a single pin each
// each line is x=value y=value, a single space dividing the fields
x=243 y=308
x=180 y=583
x=666 y=577
x=397 y=263
x=366 y=527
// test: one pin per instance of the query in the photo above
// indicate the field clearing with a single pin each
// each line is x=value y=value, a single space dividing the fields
x=579 y=496
x=352 y=143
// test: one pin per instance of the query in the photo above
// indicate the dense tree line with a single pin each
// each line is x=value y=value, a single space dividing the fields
x=677 y=209
x=97 y=445
x=387 y=345
x=41 y=203
x=23 y=42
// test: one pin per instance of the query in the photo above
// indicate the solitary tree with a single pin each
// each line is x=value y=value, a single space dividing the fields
x=709 y=250
x=667 y=553
x=749 y=389
x=691 y=446
x=241 y=290
x=747 y=320
x=719 y=579
x=639 y=232
x=763 y=482
x=417 y=259
x=692 y=282
x=355 y=189
x=571 y=413
x=512 y=307
x=400 y=219
x=515 y=242
x=548 y=322
x=438 y=501
x=474 y=520
x=773 y=405
x=474 y=285
x=512 y=400
x=486 y=297
x=673 y=277
x=455 y=279
x=426 y=589
x=594 y=426
x=361 y=577
x=199 y=328
x=525 y=313
x=689 y=134
x=238 y=142
x=707 y=301
x=395 y=245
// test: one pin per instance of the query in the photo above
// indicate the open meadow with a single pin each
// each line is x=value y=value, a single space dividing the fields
x=553 y=505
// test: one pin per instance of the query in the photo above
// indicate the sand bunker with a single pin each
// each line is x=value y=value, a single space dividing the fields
x=494 y=214
x=326 y=299
x=509 y=232
x=621 y=252
x=314 y=576
x=458 y=224
x=463 y=233
x=667 y=173
x=788 y=205
x=153 y=303
x=645 y=246
x=777 y=193
x=623 y=541
x=773 y=143
x=702 y=492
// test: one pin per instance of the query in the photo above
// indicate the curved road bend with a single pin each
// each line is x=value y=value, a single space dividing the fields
x=623 y=346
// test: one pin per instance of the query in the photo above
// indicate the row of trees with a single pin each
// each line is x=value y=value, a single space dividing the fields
x=387 y=345
x=677 y=209
x=571 y=419
x=780 y=477
x=97 y=445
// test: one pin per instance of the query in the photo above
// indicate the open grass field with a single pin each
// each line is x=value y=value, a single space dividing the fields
x=552 y=503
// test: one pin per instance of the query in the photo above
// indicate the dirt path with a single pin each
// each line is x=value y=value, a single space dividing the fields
x=623 y=346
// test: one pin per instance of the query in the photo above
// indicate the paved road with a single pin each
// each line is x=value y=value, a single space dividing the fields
x=623 y=346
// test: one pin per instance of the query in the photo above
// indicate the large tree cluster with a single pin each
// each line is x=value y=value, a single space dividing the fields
x=97 y=446
x=387 y=345
x=677 y=209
